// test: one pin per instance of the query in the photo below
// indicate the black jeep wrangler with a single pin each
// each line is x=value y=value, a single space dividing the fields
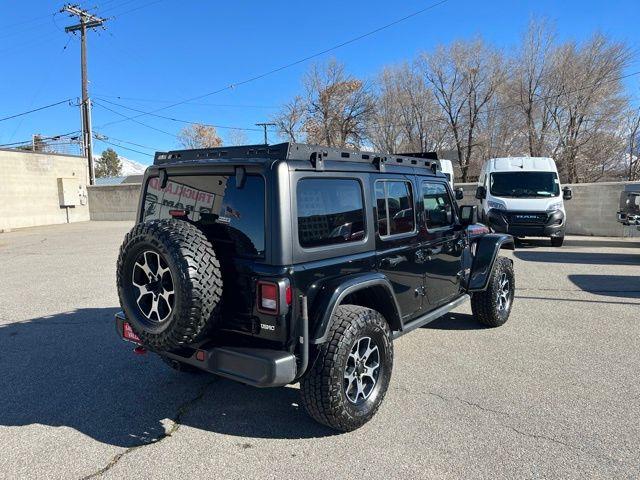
x=289 y=263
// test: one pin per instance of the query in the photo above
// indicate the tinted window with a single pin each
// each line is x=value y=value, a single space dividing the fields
x=233 y=216
x=525 y=184
x=438 y=208
x=394 y=207
x=329 y=211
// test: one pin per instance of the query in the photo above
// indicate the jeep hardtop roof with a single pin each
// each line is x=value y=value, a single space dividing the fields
x=316 y=155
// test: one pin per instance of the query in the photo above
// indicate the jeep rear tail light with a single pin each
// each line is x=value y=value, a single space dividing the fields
x=274 y=297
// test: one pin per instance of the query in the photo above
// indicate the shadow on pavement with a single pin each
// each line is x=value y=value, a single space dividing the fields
x=526 y=243
x=608 y=285
x=576 y=242
x=586 y=258
x=72 y=370
x=456 y=321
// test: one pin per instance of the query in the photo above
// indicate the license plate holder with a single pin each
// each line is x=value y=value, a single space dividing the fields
x=128 y=333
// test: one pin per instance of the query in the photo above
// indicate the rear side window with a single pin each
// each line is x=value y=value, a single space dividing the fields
x=233 y=216
x=438 y=208
x=330 y=211
x=394 y=203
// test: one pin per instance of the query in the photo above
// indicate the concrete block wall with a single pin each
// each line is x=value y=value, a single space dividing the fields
x=591 y=211
x=114 y=202
x=29 y=192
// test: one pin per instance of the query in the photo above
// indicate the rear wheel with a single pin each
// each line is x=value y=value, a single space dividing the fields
x=557 y=241
x=351 y=374
x=493 y=305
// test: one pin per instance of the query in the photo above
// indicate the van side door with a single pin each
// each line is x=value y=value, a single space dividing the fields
x=441 y=242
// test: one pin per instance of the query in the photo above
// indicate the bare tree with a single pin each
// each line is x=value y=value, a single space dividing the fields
x=385 y=128
x=465 y=77
x=337 y=106
x=237 y=137
x=290 y=119
x=587 y=100
x=531 y=84
x=633 y=136
x=197 y=135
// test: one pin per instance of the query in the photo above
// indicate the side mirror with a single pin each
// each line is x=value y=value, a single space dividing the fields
x=468 y=215
x=459 y=193
x=567 y=194
x=481 y=192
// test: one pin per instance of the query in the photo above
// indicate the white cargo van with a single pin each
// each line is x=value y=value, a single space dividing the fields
x=447 y=168
x=522 y=196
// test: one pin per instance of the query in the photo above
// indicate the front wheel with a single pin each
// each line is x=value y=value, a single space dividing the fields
x=557 y=241
x=493 y=305
x=351 y=374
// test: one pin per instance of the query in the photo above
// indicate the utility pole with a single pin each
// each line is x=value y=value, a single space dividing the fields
x=265 y=125
x=87 y=20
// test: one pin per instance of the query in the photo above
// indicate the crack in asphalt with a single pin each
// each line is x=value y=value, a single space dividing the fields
x=182 y=410
x=458 y=399
x=516 y=430
x=567 y=445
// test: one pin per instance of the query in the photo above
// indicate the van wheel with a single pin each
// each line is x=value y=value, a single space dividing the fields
x=351 y=374
x=493 y=305
x=557 y=241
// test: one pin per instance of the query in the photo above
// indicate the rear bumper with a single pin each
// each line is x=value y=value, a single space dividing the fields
x=258 y=367
x=550 y=225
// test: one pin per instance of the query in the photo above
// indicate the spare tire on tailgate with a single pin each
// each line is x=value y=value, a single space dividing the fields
x=169 y=283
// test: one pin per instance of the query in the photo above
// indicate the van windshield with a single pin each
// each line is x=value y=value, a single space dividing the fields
x=525 y=184
x=234 y=217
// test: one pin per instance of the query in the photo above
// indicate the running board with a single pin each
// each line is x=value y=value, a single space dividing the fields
x=431 y=316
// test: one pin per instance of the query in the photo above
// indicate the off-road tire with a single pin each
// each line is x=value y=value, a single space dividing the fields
x=197 y=282
x=485 y=304
x=180 y=366
x=557 y=241
x=323 y=390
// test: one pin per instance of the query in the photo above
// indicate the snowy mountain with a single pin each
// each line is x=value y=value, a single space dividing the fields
x=131 y=167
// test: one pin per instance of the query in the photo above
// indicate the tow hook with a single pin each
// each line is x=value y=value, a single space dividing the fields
x=139 y=350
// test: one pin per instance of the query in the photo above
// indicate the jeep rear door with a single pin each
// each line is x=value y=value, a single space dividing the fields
x=397 y=241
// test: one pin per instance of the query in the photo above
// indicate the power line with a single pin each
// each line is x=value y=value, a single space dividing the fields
x=151 y=100
x=36 y=109
x=133 y=120
x=180 y=120
x=126 y=148
x=52 y=137
x=292 y=64
x=117 y=15
x=87 y=21
x=100 y=136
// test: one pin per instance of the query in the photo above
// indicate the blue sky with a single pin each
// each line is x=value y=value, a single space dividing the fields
x=155 y=53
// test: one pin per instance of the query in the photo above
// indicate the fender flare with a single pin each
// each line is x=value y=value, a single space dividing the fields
x=335 y=290
x=487 y=248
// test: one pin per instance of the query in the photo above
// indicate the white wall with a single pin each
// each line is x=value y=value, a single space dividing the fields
x=114 y=202
x=29 y=193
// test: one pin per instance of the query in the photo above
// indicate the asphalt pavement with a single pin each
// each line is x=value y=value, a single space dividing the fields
x=554 y=393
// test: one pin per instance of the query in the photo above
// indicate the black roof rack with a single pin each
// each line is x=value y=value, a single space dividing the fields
x=315 y=154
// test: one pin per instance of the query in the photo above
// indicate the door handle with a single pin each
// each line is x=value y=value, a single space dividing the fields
x=392 y=261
